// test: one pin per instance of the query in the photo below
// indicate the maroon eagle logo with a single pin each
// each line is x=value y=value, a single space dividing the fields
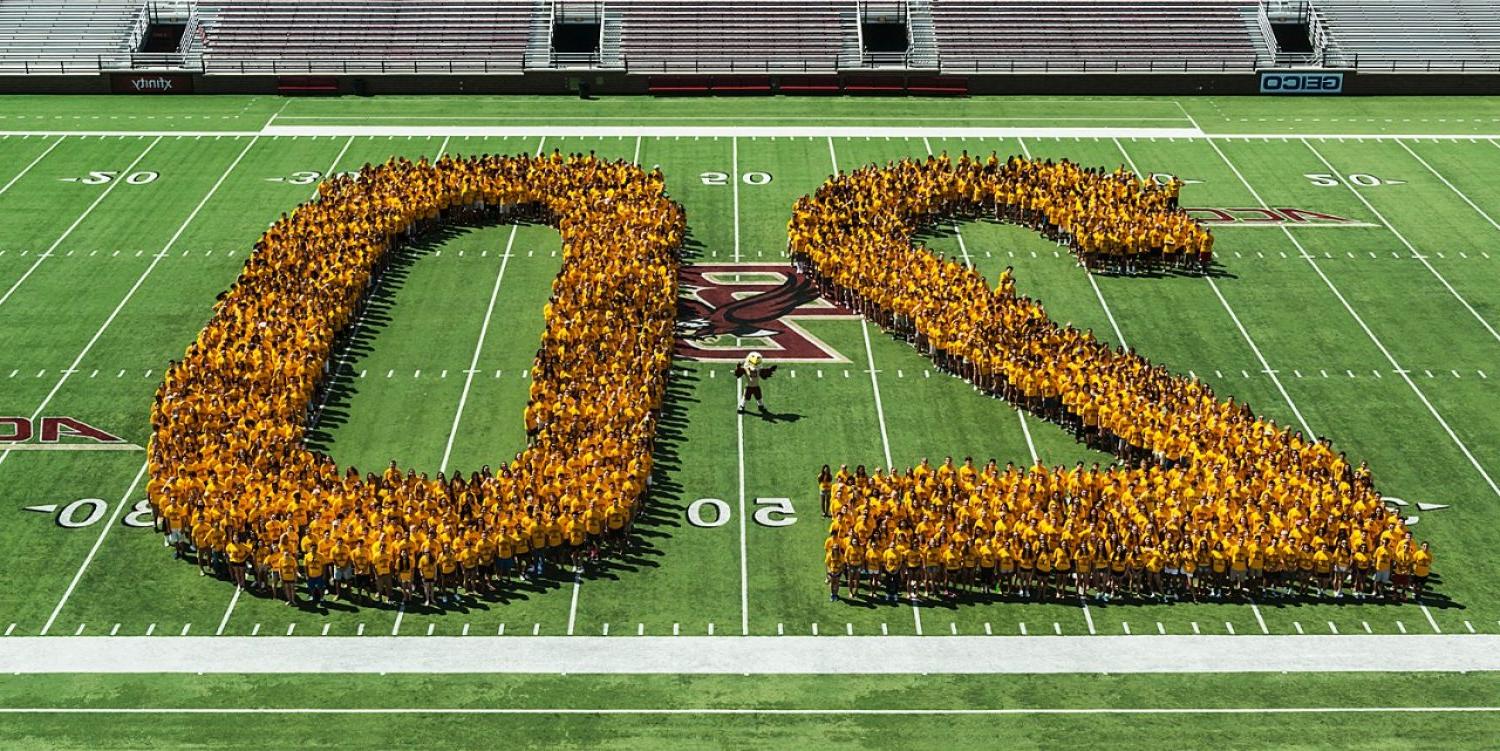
x=728 y=310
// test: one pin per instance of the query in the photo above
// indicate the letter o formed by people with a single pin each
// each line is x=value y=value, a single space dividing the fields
x=229 y=420
x=1195 y=470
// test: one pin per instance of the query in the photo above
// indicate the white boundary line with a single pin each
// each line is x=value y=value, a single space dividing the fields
x=1396 y=366
x=936 y=131
x=1415 y=254
x=803 y=655
x=156 y=259
x=81 y=217
x=739 y=711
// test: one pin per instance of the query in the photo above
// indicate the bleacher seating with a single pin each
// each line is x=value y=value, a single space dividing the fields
x=65 y=36
x=1412 y=35
x=1099 y=35
x=375 y=36
x=735 y=35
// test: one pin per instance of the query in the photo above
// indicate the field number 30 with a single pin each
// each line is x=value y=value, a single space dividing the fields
x=773 y=512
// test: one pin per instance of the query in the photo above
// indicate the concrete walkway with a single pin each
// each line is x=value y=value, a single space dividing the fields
x=763 y=655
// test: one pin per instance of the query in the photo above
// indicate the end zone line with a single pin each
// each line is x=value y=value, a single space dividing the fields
x=114 y=519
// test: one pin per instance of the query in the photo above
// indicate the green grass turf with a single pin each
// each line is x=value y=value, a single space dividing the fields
x=429 y=316
x=833 y=694
x=400 y=385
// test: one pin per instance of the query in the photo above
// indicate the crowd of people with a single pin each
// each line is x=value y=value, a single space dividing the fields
x=1208 y=499
x=233 y=484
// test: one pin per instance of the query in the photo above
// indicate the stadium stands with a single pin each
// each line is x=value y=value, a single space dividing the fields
x=737 y=35
x=1099 y=35
x=1412 y=35
x=67 y=36
x=376 y=36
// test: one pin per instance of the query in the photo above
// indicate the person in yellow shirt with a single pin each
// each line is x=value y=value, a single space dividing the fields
x=1421 y=568
x=286 y=572
x=316 y=566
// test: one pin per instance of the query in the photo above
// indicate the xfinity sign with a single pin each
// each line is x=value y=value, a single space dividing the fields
x=1301 y=83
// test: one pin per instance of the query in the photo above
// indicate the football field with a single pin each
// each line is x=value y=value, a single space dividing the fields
x=1354 y=296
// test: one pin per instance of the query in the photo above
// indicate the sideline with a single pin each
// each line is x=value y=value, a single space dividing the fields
x=748 y=655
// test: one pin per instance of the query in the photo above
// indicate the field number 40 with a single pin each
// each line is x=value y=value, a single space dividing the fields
x=773 y=512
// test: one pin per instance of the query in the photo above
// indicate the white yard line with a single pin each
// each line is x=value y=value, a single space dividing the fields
x=120 y=178
x=33 y=163
x=114 y=519
x=1139 y=653
x=637 y=158
x=739 y=423
x=573 y=602
x=156 y=259
x=484 y=328
x=741 y=711
x=1395 y=365
x=734 y=157
x=1451 y=186
x=1415 y=253
x=224 y=622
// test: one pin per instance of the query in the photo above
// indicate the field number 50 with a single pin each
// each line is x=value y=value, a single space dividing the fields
x=773 y=512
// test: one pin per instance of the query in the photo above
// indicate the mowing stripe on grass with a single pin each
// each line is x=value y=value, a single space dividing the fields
x=1400 y=371
x=85 y=215
x=1415 y=254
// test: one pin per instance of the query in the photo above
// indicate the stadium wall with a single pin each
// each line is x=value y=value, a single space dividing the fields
x=617 y=83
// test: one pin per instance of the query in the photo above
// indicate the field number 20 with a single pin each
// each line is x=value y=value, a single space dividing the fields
x=773 y=512
x=749 y=178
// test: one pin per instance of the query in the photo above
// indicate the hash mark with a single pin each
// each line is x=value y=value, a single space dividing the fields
x=1229 y=627
x=987 y=631
x=815 y=629
x=79 y=632
x=1126 y=626
x=1161 y=629
x=606 y=629
x=430 y=628
x=1366 y=624
x=1401 y=627
x=253 y=632
x=1023 y=628
x=326 y=626
x=1195 y=628
x=9 y=629
x=1333 y=627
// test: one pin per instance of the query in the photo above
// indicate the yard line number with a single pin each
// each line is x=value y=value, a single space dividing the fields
x=749 y=178
x=772 y=512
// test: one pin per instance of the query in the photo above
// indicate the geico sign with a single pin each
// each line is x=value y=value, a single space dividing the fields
x=57 y=433
x=1301 y=83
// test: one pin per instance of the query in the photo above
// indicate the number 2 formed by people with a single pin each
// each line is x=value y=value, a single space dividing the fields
x=1196 y=474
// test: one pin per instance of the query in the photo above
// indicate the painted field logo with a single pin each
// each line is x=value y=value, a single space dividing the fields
x=729 y=309
x=57 y=434
x=1255 y=216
